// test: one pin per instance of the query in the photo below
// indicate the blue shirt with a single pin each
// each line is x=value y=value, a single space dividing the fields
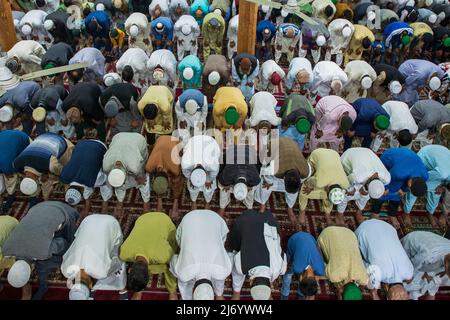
x=167 y=33
x=194 y=94
x=103 y=20
x=436 y=159
x=12 y=143
x=265 y=24
x=367 y=110
x=303 y=251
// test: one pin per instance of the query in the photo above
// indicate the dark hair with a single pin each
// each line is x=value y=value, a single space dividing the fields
x=40 y=3
x=138 y=276
x=412 y=16
x=328 y=11
x=308 y=286
x=366 y=43
x=127 y=73
x=427 y=38
x=404 y=137
x=76 y=75
x=348 y=14
x=150 y=111
x=346 y=123
x=292 y=181
x=86 y=11
x=92 y=26
x=418 y=187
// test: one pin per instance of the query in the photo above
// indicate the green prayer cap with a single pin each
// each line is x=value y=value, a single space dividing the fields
x=160 y=185
x=303 y=125
x=446 y=42
x=382 y=122
x=231 y=115
x=406 y=40
x=351 y=292
x=49 y=65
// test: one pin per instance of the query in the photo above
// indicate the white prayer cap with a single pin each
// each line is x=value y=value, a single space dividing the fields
x=198 y=177
x=434 y=83
x=28 y=186
x=336 y=195
x=366 y=82
x=265 y=8
x=214 y=78
x=191 y=106
x=375 y=275
x=100 y=7
x=186 y=29
x=19 y=274
x=26 y=29
x=376 y=189
x=111 y=78
x=8 y=80
x=134 y=30
x=116 y=177
x=159 y=26
x=49 y=24
x=2 y=184
x=321 y=40
x=441 y=15
x=203 y=291
x=158 y=74
x=79 y=291
x=395 y=87
x=73 y=197
x=16 y=22
x=371 y=15
x=6 y=113
x=188 y=73
x=284 y=13
x=432 y=18
x=260 y=292
x=347 y=31
x=218 y=11
x=240 y=191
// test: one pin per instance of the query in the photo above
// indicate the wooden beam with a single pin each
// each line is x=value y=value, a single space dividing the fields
x=8 y=31
x=248 y=16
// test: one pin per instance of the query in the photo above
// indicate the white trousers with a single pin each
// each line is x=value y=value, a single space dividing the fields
x=262 y=194
x=131 y=183
x=225 y=197
x=207 y=193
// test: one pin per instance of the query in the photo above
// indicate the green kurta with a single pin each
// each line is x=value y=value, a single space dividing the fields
x=7 y=224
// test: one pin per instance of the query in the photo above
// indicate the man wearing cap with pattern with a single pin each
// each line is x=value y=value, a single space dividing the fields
x=124 y=164
x=371 y=118
x=190 y=70
x=164 y=167
x=137 y=29
x=286 y=40
x=92 y=261
x=232 y=36
x=162 y=32
x=213 y=29
x=386 y=260
x=367 y=177
x=32 y=28
x=361 y=76
x=244 y=70
x=321 y=185
x=83 y=173
x=12 y=143
x=328 y=78
x=230 y=109
x=300 y=76
x=202 y=264
x=265 y=33
x=389 y=83
x=361 y=41
x=132 y=66
x=148 y=250
x=191 y=111
x=162 y=68
x=341 y=32
x=186 y=32
x=7 y=224
x=25 y=57
x=38 y=242
x=216 y=73
x=344 y=266
x=270 y=76
x=262 y=111
x=199 y=9
x=257 y=253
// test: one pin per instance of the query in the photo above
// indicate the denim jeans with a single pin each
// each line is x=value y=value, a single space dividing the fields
x=286 y=286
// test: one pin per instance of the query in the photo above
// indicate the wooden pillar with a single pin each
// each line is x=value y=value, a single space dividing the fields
x=8 y=31
x=248 y=16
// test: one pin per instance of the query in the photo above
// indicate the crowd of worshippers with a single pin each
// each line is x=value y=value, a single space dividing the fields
x=359 y=102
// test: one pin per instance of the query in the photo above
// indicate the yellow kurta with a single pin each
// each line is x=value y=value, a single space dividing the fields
x=355 y=49
x=162 y=97
x=340 y=250
x=229 y=97
x=7 y=224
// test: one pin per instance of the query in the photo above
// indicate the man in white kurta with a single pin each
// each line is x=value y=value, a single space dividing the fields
x=186 y=31
x=270 y=76
x=300 y=75
x=386 y=260
x=361 y=76
x=138 y=31
x=262 y=110
x=162 y=68
x=232 y=35
x=92 y=261
x=203 y=263
x=96 y=68
x=341 y=32
x=137 y=59
x=329 y=78
x=27 y=55
x=32 y=28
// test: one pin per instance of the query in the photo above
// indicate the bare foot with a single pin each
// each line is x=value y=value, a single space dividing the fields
x=26 y=292
x=194 y=205
x=359 y=217
x=236 y=296
x=220 y=298
x=262 y=208
x=428 y=297
x=146 y=207
x=340 y=219
x=302 y=218
x=443 y=221
x=118 y=210
x=394 y=222
x=174 y=214
x=173 y=296
x=433 y=221
x=159 y=206
x=137 y=296
x=293 y=220
x=375 y=216
x=104 y=207
x=407 y=220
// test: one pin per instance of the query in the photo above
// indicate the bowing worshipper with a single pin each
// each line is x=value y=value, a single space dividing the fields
x=385 y=258
x=213 y=30
x=132 y=66
x=216 y=73
x=389 y=82
x=97 y=25
x=119 y=103
x=262 y=111
x=371 y=118
x=117 y=38
x=164 y=167
x=156 y=107
x=229 y=109
x=324 y=10
x=57 y=55
x=96 y=69
x=313 y=39
x=361 y=76
x=265 y=33
x=232 y=34
x=367 y=176
x=257 y=253
x=177 y=9
x=162 y=32
x=12 y=143
x=38 y=243
x=344 y=266
x=32 y=28
x=408 y=175
x=202 y=264
x=436 y=160
x=111 y=78
x=244 y=70
x=297 y=117
x=148 y=250
x=304 y=260
x=360 y=43
x=402 y=127
x=138 y=31
x=270 y=76
x=190 y=70
x=285 y=174
x=158 y=8
x=83 y=173
x=134 y=5
x=320 y=185
x=162 y=68
x=56 y=24
x=286 y=40
x=334 y=117
x=327 y=78
x=7 y=224
x=199 y=9
x=430 y=117
x=186 y=32
x=92 y=261
x=48 y=6
x=41 y=162
x=25 y=57
x=430 y=256
x=300 y=76
x=239 y=175
x=422 y=36
x=343 y=10
x=124 y=163
x=341 y=32
x=397 y=37
x=200 y=166
x=222 y=7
